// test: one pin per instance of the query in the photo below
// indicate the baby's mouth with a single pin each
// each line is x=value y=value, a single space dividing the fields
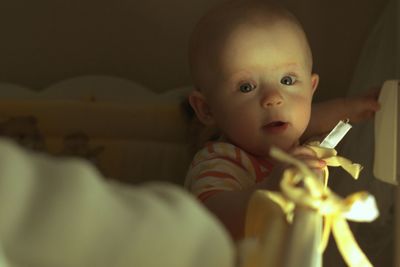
x=276 y=127
x=275 y=124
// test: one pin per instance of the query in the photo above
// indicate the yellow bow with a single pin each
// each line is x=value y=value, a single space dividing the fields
x=329 y=155
x=316 y=195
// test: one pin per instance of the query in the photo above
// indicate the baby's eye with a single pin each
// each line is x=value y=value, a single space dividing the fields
x=288 y=80
x=246 y=87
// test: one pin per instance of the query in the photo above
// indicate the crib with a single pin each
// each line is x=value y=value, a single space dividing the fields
x=124 y=130
x=121 y=127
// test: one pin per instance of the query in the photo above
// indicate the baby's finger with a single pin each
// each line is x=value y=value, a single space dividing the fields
x=372 y=104
x=313 y=163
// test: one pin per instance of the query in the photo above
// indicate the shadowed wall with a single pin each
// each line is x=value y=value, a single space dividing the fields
x=47 y=40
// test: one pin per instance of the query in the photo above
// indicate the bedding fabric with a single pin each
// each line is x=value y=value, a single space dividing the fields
x=110 y=121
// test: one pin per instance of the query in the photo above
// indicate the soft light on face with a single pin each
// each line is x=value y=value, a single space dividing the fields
x=262 y=88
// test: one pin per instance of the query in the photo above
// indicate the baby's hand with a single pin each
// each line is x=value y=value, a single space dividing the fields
x=308 y=157
x=362 y=107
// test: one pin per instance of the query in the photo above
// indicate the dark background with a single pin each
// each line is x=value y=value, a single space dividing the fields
x=44 y=41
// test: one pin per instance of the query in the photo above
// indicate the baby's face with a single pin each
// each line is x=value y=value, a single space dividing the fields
x=262 y=91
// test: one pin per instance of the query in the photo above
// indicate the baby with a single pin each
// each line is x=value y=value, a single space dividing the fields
x=252 y=69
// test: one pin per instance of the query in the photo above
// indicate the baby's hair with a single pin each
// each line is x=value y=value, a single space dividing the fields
x=219 y=22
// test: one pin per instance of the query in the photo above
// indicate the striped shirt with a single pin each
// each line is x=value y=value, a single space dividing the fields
x=221 y=166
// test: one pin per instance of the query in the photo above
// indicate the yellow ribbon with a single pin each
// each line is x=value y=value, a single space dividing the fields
x=329 y=155
x=301 y=187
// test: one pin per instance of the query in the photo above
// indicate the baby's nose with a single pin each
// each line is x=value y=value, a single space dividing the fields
x=272 y=98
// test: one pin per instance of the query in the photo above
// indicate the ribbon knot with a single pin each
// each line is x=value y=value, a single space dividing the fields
x=301 y=187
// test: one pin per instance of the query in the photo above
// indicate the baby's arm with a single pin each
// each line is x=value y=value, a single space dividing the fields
x=325 y=115
x=230 y=206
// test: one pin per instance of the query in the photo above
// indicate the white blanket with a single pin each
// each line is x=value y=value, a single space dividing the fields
x=60 y=212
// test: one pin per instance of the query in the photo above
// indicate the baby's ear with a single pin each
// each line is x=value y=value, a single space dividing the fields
x=314 y=81
x=201 y=107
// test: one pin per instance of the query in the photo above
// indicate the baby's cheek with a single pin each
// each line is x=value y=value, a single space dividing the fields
x=240 y=132
x=303 y=113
